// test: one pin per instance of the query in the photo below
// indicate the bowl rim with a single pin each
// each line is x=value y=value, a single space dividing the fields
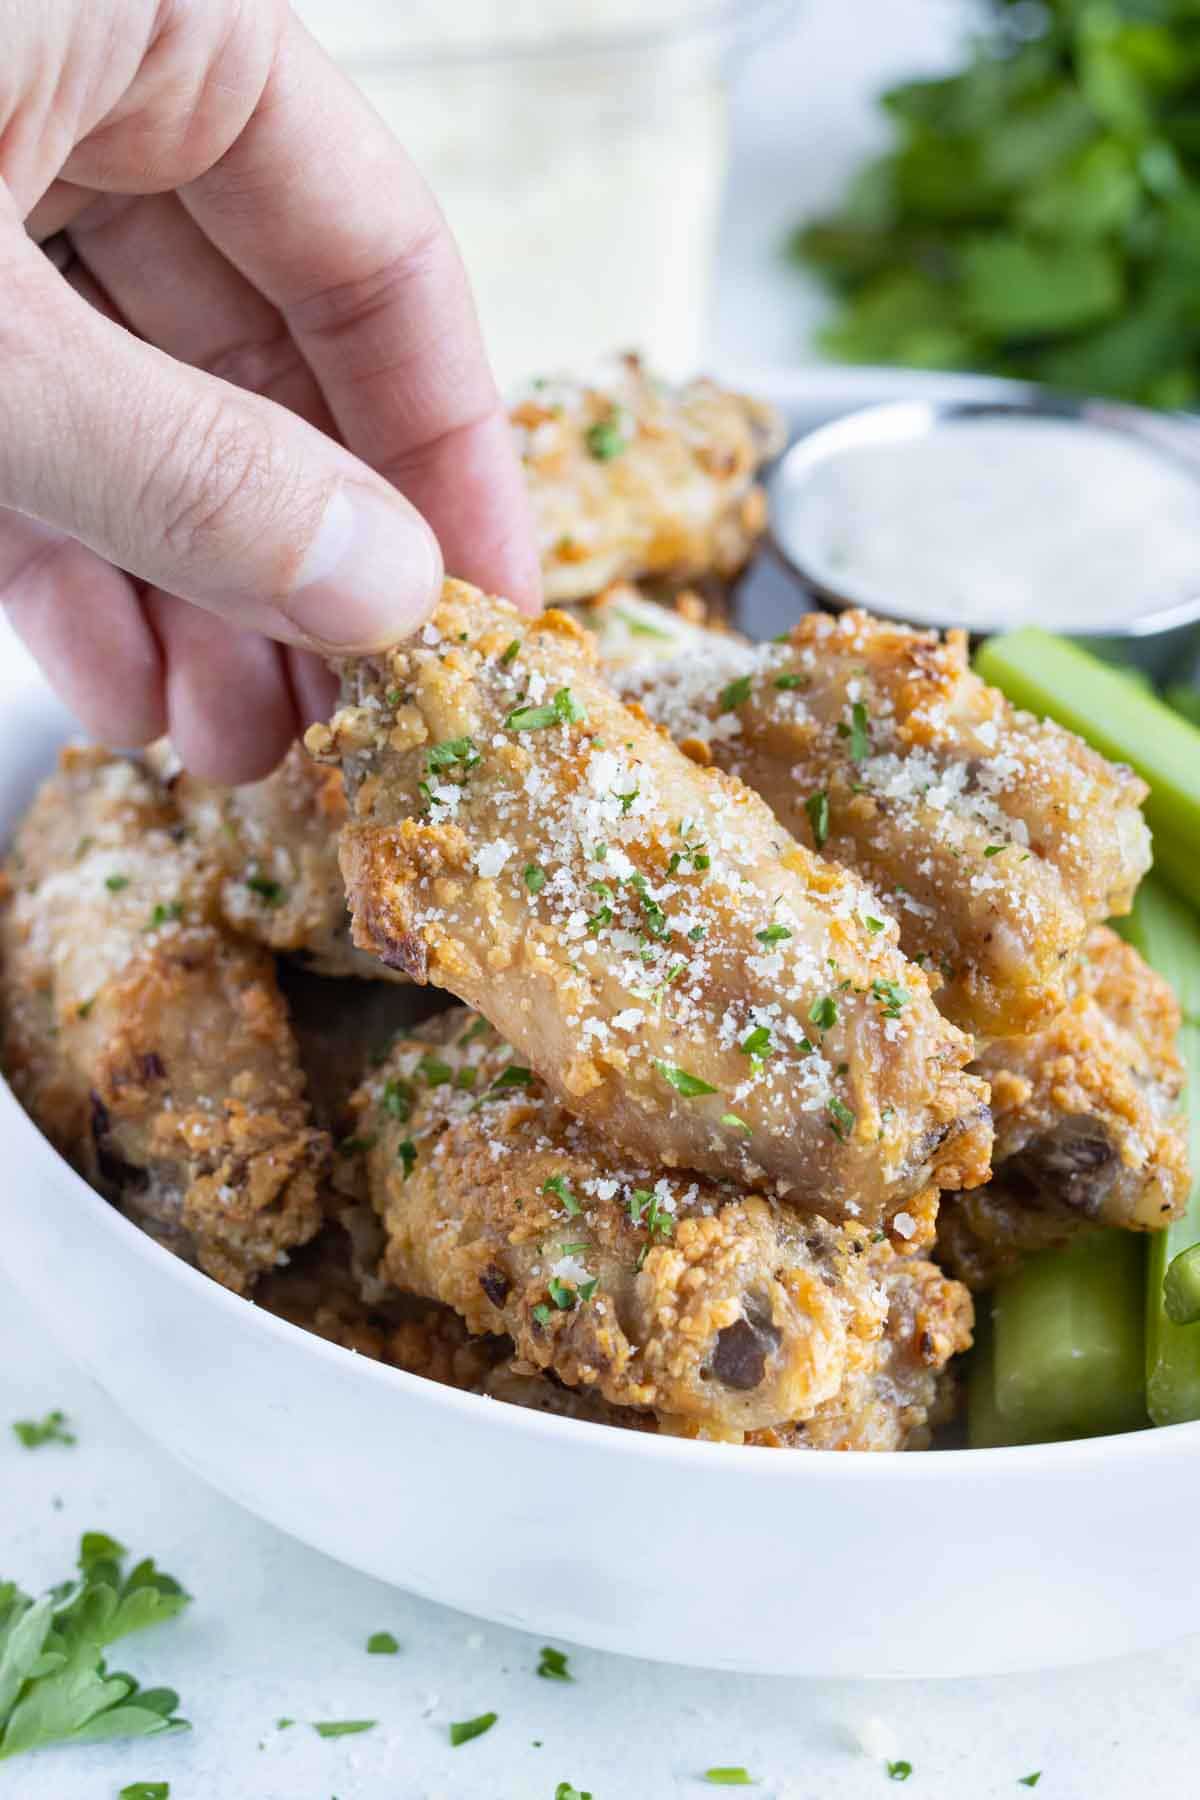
x=1009 y=1462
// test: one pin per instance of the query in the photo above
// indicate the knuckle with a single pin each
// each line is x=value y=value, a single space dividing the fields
x=260 y=367
x=208 y=491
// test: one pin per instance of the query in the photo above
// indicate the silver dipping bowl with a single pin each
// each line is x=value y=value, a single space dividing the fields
x=1163 y=641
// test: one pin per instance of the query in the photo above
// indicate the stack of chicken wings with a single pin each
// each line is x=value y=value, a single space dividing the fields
x=783 y=1010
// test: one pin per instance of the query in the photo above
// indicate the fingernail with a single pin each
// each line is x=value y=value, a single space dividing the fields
x=372 y=573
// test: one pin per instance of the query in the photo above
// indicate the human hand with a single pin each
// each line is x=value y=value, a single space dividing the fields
x=263 y=325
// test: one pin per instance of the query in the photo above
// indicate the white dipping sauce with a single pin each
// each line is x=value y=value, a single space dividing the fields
x=1002 y=521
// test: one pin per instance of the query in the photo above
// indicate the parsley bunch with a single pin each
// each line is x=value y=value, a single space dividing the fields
x=54 y=1686
x=1039 y=212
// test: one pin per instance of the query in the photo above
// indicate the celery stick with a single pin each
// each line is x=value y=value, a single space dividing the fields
x=1181 y=1287
x=1168 y=935
x=1056 y=678
x=985 y=1427
x=1069 y=1341
x=1181 y=697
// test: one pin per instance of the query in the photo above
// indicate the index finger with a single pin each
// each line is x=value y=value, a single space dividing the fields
x=319 y=206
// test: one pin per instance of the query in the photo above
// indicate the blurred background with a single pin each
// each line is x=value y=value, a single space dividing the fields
x=629 y=172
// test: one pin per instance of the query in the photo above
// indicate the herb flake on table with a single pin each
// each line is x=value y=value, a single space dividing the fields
x=552 y=1664
x=382 y=1643
x=899 y=1771
x=463 y=1730
x=336 y=1728
x=729 y=1776
x=33 y=1433
x=564 y=1791
x=54 y=1686
x=145 y=1790
x=1030 y=1781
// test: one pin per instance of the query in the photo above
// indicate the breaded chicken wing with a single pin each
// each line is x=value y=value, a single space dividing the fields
x=684 y=976
x=150 y=1046
x=1088 y=1126
x=633 y=478
x=994 y=839
x=634 y=630
x=898 y=1386
x=275 y=845
x=655 y=1289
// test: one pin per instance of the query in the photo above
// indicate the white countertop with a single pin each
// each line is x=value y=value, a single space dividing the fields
x=278 y=1630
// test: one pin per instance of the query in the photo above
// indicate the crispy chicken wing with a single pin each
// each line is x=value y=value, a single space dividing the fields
x=897 y=1387
x=634 y=478
x=275 y=845
x=685 y=976
x=994 y=839
x=1088 y=1126
x=655 y=1289
x=151 y=1047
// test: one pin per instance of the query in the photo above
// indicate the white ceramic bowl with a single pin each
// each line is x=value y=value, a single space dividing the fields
x=955 y=1563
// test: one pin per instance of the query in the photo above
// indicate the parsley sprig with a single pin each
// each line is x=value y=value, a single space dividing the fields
x=54 y=1686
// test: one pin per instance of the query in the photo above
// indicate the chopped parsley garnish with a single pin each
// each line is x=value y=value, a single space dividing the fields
x=557 y=1184
x=284 y=1724
x=857 y=732
x=511 y=653
x=996 y=849
x=899 y=1771
x=451 y=752
x=639 y=628
x=164 y=914
x=696 y=933
x=824 y=1013
x=270 y=892
x=33 y=1433
x=690 y=1086
x=535 y=878
x=817 y=808
x=434 y=1071
x=479 y=1029
x=891 y=996
x=625 y=799
x=735 y=1123
x=774 y=934
x=840 y=1118
x=757 y=1044
x=394 y=696
x=562 y=1293
x=736 y=694
x=398 y=1096
x=657 y=924
x=114 y=883
x=542 y=1314
x=335 y=1728
x=785 y=682
x=85 y=1007
x=382 y=1643
x=696 y=854
x=1029 y=1780
x=54 y=1687
x=352 y=1146
x=564 y=1790
x=465 y=1729
x=605 y=439
x=729 y=1777
x=564 y=709
x=466 y=1079
x=407 y=1153
x=552 y=1664
x=872 y=924
x=646 y=1208
x=511 y=1077
x=146 y=1790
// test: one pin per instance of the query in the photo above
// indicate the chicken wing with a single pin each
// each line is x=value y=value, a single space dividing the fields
x=655 y=1289
x=634 y=478
x=686 y=977
x=151 y=1047
x=1089 y=1130
x=994 y=839
x=898 y=1388
x=275 y=845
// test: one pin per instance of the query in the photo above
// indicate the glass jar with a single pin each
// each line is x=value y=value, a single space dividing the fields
x=577 y=148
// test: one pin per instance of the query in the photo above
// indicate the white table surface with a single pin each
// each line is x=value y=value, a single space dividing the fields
x=277 y=1630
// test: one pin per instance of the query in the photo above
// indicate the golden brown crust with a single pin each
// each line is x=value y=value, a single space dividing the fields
x=994 y=839
x=686 y=977
x=632 y=478
x=1088 y=1126
x=656 y=1290
x=152 y=1048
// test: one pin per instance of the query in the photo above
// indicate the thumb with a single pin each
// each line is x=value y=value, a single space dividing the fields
x=214 y=494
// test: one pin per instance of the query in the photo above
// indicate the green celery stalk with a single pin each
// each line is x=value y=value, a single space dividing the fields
x=1168 y=936
x=1060 y=680
x=985 y=1428
x=1069 y=1341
